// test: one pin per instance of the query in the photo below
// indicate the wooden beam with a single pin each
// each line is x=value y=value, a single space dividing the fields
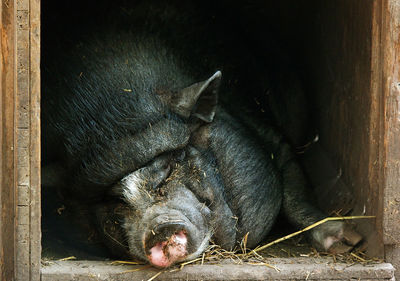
x=20 y=140
x=34 y=107
x=7 y=154
x=27 y=140
x=390 y=58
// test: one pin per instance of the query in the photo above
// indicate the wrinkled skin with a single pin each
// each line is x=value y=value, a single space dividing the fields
x=159 y=165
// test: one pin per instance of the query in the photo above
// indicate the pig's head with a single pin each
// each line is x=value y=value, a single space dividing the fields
x=164 y=221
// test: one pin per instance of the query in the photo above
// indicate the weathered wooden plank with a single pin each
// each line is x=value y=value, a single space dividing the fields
x=22 y=18
x=22 y=39
x=377 y=120
x=22 y=156
x=27 y=130
x=24 y=197
x=286 y=269
x=7 y=175
x=22 y=258
x=23 y=137
x=20 y=138
x=35 y=205
x=23 y=5
x=22 y=101
x=391 y=91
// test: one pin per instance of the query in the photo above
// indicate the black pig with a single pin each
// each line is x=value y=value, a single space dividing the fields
x=159 y=165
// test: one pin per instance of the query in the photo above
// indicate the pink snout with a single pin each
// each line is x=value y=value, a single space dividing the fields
x=166 y=253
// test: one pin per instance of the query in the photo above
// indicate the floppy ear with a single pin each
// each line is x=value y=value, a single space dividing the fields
x=199 y=100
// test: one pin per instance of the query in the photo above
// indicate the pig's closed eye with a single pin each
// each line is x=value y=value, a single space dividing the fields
x=179 y=155
x=160 y=176
x=207 y=202
x=160 y=168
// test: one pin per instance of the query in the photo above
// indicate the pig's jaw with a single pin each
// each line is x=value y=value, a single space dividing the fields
x=166 y=253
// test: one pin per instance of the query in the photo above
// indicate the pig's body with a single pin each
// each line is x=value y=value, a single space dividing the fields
x=144 y=144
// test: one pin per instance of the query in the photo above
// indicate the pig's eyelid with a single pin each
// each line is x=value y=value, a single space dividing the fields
x=208 y=202
x=161 y=177
x=149 y=164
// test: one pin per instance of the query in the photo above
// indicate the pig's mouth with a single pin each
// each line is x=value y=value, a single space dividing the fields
x=172 y=242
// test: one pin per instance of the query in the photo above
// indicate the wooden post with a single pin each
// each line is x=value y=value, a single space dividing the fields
x=7 y=176
x=20 y=137
x=390 y=87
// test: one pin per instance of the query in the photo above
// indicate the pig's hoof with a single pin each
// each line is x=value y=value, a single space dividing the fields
x=334 y=237
x=339 y=248
x=350 y=236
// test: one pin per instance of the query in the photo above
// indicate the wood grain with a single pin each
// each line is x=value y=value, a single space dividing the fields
x=20 y=138
x=391 y=92
x=34 y=86
x=7 y=173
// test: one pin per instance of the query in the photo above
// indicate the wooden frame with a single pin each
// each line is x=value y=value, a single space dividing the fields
x=20 y=233
x=388 y=15
x=20 y=244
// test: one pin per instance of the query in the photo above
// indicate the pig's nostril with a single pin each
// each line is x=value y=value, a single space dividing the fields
x=169 y=228
x=164 y=232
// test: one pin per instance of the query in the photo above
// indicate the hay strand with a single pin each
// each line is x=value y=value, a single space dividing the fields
x=67 y=259
x=137 y=269
x=125 y=262
x=155 y=276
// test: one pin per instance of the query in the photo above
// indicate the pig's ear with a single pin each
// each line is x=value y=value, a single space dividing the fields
x=199 y=100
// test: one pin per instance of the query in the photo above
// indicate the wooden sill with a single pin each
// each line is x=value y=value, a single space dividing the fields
x=286 y=269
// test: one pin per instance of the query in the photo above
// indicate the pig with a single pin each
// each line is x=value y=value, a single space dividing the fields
x=159 y=164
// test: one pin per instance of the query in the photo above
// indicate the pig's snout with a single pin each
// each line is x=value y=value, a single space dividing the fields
x=166 y=244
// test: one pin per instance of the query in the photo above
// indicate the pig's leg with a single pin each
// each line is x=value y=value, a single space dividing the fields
x=297 y=196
